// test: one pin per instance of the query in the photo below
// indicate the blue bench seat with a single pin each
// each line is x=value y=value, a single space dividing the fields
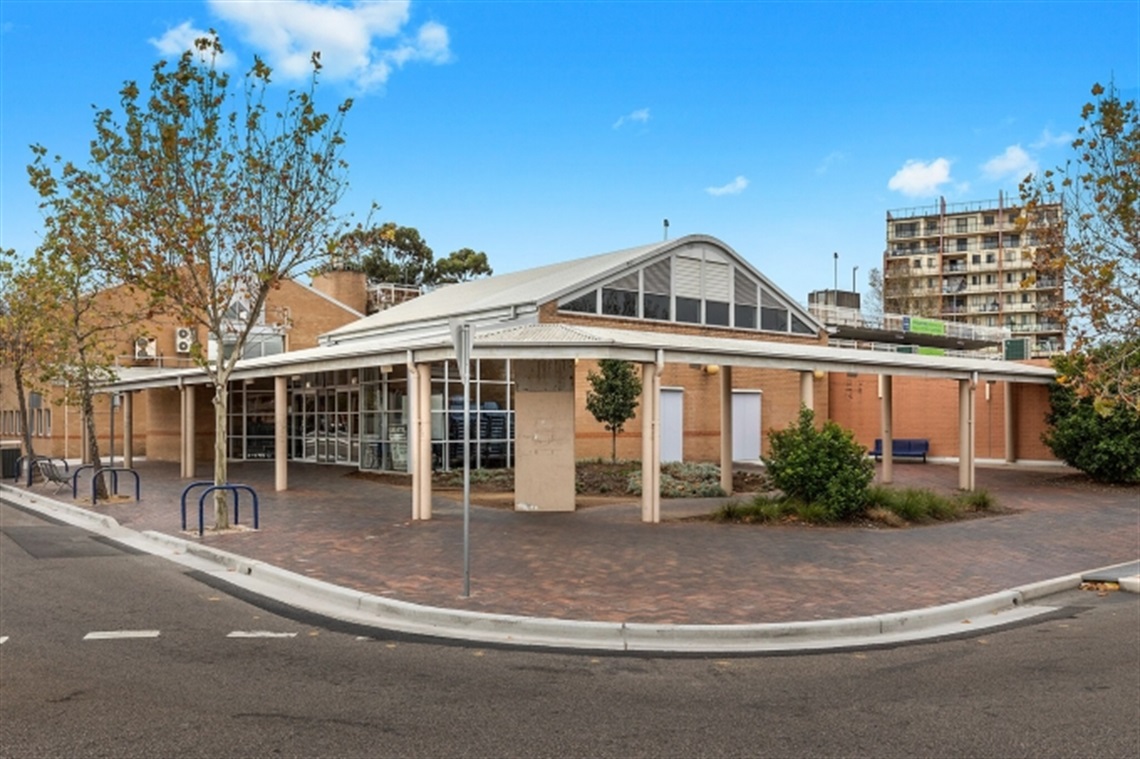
x=902 y=447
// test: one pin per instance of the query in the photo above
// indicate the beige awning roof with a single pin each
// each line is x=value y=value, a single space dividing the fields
x=553 y=341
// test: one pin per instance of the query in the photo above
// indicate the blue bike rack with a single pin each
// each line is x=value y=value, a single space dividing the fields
x=111 y=470
x=114 y=472
x=210 y=488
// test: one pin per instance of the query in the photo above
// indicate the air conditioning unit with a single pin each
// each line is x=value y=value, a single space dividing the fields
x=183 y=339
x=146 y=347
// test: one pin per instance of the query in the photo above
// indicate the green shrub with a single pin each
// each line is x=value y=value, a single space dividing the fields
x=815 y=513
x=824 y=467
x=1101 y=439
x=977 y=500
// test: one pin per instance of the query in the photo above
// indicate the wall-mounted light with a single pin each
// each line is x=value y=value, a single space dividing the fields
x=818 y=373
x=710 y=369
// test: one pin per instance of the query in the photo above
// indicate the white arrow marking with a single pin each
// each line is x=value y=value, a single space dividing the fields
x=3 y=639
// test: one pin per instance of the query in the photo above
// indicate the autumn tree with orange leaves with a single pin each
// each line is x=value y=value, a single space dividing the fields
x=1095 y=244
x=215 y=196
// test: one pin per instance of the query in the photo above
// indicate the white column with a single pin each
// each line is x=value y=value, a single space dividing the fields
x=1010 y=398
x=965 y=435
x=182 y=433
x=280 y=434
x=190 y=454
x=128 y=430
x=726 y=429
x=807 y=389
x=887 y=431
x=650 y=444
x=419 y=376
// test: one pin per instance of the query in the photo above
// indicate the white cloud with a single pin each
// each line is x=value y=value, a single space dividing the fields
x=918 y=179
x=1014 y=163
x=1048 y=139
x=174 y=42
x=641 y=116
x=830 y=160
x=735 y=187
x=348 y=36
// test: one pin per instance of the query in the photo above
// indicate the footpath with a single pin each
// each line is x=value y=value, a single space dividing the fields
x=346 y=547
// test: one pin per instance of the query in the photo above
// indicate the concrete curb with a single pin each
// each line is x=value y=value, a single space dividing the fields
x=369 y=610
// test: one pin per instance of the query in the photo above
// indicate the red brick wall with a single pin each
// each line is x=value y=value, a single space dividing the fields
x=780 y=401
x=928 y=408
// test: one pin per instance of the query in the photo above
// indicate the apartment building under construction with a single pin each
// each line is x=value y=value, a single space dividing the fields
x=979 y=263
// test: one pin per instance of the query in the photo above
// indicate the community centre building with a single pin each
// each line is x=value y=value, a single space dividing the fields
x=723 y=353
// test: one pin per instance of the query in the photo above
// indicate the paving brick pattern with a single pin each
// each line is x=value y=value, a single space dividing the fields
x=602 y=563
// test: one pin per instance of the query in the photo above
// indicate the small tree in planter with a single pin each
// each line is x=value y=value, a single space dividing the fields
x=613 y=396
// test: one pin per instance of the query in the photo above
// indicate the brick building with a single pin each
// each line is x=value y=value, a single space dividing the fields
x=978 y=263
x=724 y=355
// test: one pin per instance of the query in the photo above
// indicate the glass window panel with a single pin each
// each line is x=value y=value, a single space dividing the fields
x=656 y=306
x=716 y=313
x=619 y=302
x=800 y=327
x=586 y=304
x=774 y=319
x=746 y=317
x=689 y=310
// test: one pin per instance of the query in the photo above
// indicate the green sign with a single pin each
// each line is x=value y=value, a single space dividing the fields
x=924 y=351
x=921 y=326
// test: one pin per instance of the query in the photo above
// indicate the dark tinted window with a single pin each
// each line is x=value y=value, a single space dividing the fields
x=619 y=302
x=716 y=313
x=656 y=306
x=586 y=304
x=774 y=319
x=746 y=317
x=689 y=310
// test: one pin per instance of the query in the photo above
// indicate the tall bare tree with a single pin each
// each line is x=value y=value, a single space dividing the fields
x=1094 y=242
x=215 y=197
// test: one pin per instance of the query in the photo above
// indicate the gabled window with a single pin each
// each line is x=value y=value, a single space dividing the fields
x=691 y=286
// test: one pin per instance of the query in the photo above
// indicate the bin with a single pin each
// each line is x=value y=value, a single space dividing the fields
x=9 y=459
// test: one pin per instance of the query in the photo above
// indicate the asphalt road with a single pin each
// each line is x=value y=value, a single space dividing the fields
x=164 y=676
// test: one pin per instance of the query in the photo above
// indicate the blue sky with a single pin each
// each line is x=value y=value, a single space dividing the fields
x=542 y=131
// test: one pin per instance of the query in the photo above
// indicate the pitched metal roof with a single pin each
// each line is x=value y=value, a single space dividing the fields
x=499 y=293
x=509 y=297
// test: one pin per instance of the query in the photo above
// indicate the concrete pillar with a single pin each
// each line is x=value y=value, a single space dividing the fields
x=650 y=444
x=189 y=451
x=887 y=433
x=544 y=435
x=807 y=389
x=965 y=435
x=726 y=429
x=419 y=404
x=1010 y=398
x=280 y=434
x=128 y=430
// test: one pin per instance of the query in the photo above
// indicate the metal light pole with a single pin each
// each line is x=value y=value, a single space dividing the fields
x=836 y=254
x=853 y=272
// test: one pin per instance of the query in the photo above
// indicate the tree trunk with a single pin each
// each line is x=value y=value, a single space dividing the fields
x=613 y=446
x=221 y=408
x=26 y=427
x=88 y=406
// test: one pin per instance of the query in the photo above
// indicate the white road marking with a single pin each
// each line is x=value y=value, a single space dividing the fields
x=3 y=639
x=120 y=634
x=259 y=634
